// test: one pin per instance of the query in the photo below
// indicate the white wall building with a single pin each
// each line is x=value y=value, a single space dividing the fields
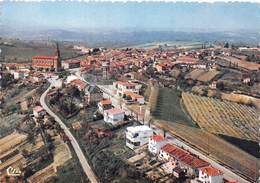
x=114 y=116
x=210 y=175
x=20 y=74
x=122 y=87
x=137 y=136
x=155 y=143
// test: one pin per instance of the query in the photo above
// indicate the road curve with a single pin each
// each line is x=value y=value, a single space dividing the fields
x=82 y=159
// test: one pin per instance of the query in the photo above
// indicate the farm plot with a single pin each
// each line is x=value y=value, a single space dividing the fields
x=11 y=141
x=208 y=76
x=202 y=75
x=195 y=74
x=7 y=123
x=168 y=107
x=222 y=117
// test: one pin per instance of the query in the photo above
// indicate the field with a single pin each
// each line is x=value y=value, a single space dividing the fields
x=168 y=107
x=22 y=51
x=222 y=117
x=8 y=123
x=169 y=44
x=11 y=141
x=224 y=152
x=202 y=75
x=243 y=64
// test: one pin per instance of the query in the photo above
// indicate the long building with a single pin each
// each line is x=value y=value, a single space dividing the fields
x=47 y=62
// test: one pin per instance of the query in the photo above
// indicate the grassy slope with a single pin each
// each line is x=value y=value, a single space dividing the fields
x=169 y=107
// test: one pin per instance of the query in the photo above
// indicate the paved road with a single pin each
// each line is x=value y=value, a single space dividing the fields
x=82 y=159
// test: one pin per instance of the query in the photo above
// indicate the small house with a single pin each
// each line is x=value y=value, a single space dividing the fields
x=104 y=105
x=114 y=115
x=155 y=143
x=210 y=175
x=38 y=112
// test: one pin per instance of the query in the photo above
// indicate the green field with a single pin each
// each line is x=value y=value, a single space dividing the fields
x=169 y=107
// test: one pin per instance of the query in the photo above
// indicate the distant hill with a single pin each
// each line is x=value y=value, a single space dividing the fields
x=123 y=38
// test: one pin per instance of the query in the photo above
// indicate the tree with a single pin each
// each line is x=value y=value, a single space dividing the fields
x=226 y=45
x=220 y=86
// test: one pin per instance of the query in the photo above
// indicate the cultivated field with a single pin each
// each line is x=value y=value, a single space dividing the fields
x=11 y=141
x=222 y=117
x=202 y=75
x=242 y=63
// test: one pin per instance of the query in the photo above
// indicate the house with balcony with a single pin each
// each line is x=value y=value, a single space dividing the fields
x=122 y=87
x=155 y=143
x=138 y=136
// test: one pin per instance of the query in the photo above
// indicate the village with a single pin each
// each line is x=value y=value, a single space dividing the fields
x=135 y=114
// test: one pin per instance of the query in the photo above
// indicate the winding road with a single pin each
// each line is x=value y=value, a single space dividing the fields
x=82 y=159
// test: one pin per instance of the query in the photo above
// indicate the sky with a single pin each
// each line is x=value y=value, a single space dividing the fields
x=131 y=16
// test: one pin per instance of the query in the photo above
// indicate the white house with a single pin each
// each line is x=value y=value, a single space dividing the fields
x=114 y=115
x=38 y=111
x=19 y=74
x=122 y=87
x=70 y=78
x=137 y=136
x=210 y=175
x=155 y=143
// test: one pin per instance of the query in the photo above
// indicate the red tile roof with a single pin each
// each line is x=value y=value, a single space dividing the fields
x=81 y=84
x=114 y=111
x=133 y=95
x=211 y=171
x=106 y=102
x=184 y=156
x=44 y=57
x=157 y=138
x=38 y=109
x=125 y=83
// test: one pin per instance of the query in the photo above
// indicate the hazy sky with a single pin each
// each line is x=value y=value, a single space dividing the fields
x=132 y=16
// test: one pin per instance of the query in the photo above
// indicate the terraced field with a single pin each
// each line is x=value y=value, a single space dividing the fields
x=222 y=117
